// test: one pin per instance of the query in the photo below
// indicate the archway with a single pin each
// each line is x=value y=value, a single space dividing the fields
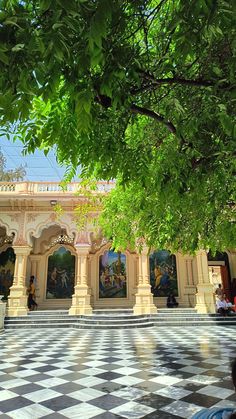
x=60 y=274
x=219 y=271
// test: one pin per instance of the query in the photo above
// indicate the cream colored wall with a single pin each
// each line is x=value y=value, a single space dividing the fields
x=37 y=228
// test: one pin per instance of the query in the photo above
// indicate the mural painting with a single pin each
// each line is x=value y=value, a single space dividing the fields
x=61 y=274
x=163 y=274
x=112 y=275
x=7 y=265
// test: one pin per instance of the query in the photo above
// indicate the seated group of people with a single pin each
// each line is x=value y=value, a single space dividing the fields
x=223 y=305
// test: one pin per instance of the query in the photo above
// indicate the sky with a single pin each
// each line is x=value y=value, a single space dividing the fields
x=38 y=166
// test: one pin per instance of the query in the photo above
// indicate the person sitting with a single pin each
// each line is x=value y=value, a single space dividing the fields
x=221 y=306
x=230 y=306
x=171 y=301
x=220 y=412
x=219 y=291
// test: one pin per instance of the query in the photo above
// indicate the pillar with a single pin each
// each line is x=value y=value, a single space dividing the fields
x=204 y=297
x=35 y=259
x=144 y=298
x=81 y=297
x=2 y=314
x=17 y=300
x=190 y=288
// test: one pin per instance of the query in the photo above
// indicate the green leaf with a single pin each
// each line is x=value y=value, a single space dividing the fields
x=18 y=47
x=4 y=58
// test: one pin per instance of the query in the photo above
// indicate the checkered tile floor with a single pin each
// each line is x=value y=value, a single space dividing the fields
x=153 y=373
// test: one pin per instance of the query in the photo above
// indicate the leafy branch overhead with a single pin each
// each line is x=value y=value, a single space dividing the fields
x=143 y=91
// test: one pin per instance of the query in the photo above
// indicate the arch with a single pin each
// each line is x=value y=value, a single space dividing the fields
x=44 y=225
x=163 y=273
x=60 y=273
x=9 y=230
x=219 y=267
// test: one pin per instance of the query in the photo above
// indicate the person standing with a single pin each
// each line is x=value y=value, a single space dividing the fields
x=31 y=295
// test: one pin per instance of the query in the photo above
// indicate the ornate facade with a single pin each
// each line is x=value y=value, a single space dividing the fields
x=78 y=271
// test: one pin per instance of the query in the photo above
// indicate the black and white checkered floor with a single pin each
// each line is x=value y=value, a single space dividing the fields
x=153 y=373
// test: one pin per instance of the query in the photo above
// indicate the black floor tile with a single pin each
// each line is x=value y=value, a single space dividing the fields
x=154 y=400
x=13 y=404
x=108 y=402
x=59 y=403
x=201 y=400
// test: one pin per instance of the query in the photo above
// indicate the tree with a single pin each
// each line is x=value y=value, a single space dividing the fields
x=142 y=91
x=10 y=175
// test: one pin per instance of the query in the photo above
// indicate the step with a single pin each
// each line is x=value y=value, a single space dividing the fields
x=115 y=311
x=79 y=326
x=48 y=312
x=115 y=323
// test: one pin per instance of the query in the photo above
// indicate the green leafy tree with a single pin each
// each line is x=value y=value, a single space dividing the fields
x=10 y=175
x=139 y=91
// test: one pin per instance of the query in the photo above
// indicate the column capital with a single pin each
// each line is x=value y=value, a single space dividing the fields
x=82 y=248
x=22 y=250
x=143 y=252
x=201 y=252
x=35 y=257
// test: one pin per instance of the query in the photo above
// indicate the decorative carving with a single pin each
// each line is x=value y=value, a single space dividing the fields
x=97 y=241
x=53 y=217
x=21 y=240
x=31 y=217
x=15 y=217
x=63 y=238
x=7 y=239
x=83 y=238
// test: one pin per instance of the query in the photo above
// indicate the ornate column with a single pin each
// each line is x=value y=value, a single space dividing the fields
x=81 y=297
x=17 y=300
x=190 y=288
x=2 y=314
x=35 y=259
x=144 y=298
x=205 y=298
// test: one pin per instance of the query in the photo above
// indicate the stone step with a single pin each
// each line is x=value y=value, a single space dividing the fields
x=76 y=318
x=48 y=312
x=177 y=309
x=80 y=326
x=78 y=322
x=195 y=323
x=116 y=319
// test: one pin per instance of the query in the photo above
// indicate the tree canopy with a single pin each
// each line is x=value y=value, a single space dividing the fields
x=139 y=91
x=10 y=175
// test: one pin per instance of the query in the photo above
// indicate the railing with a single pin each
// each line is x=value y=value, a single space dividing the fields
x=40 y=188
x=7 y=187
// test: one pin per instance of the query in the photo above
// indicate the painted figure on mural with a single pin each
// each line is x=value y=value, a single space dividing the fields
x=61 y=274
x=112 y=275
x=163 y=275
x=7 y=266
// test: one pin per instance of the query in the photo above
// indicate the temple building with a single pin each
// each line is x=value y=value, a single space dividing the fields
x=79 y=271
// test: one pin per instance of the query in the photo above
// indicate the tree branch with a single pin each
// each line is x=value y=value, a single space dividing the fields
x=179 y=80
x=106 y=102
x=153 y=115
